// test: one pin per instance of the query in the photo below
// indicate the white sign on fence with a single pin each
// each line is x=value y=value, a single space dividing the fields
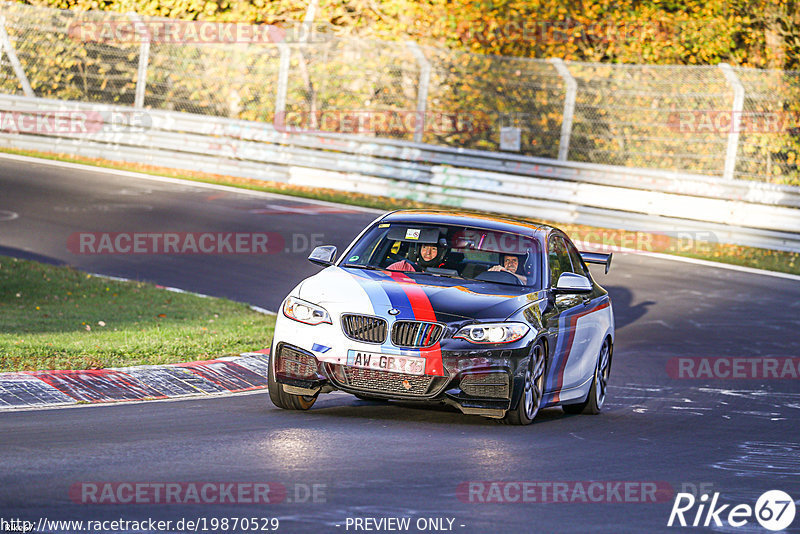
x=510 y=139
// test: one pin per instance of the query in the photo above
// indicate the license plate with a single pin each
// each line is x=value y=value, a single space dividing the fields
x=409 y=365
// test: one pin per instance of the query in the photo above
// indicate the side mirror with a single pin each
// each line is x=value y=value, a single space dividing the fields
x=324 y=255
x=573 y=283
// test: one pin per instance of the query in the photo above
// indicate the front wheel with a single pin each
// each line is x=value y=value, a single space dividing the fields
x=284 y=400
x=531 y=401
x=597 y=394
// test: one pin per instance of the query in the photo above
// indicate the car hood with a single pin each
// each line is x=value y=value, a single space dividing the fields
x=356 y=290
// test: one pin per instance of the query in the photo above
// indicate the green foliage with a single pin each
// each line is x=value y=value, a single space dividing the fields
x=754 y=33
x=60 y=318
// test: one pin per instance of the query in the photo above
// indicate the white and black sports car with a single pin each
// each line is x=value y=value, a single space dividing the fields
x=495 y=317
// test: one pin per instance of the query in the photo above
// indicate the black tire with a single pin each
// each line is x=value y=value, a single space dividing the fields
x=531 y=400
x=284 y=400
x=596 y=398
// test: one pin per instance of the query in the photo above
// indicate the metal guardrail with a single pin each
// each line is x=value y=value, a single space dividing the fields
x=748 y=213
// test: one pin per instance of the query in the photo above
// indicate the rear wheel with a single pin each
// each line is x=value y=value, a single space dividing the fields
x=531 y=400
x=284 y=400
x=597 y=394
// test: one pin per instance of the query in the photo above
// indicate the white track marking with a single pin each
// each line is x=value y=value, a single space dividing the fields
x=6 y=215
x=229 y=189
x=178 y=181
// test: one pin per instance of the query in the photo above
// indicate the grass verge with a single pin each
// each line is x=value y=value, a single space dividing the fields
x=773 y=260
x=60 y=318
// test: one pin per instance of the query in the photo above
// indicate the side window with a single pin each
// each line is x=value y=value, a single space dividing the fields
x=558 y=258
x=578 y=267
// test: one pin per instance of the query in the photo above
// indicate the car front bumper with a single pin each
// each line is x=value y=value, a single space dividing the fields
x=477 y=380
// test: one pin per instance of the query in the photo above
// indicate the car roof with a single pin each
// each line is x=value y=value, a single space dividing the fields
x=464 y=218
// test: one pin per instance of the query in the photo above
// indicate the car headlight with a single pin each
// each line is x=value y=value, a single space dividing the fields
x=305 y=312
x=493 y=332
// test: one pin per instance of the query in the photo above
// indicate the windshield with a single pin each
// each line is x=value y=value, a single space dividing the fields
x=450 y=251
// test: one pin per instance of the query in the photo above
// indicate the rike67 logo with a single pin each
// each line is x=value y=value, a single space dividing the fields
x=774 y=510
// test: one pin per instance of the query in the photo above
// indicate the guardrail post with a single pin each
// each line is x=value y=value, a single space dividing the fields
x=5 y=45
x=144 y=59
x=569 y=106
x=422 y=90
x=736 y=119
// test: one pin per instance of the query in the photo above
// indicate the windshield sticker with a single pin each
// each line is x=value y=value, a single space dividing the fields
x=384 y=225
x=353 y=258
x=412 y=233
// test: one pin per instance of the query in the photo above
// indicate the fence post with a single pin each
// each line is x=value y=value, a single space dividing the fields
x=569 y=107
x=144 y=59
x=736 y=119
x=283 y=83
x=422 y=90
x=5 y=45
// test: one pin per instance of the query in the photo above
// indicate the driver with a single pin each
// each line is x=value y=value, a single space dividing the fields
x=429 y=255
x=510 y=265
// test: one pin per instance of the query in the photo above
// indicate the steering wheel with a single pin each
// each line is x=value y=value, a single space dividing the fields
x=504 y=277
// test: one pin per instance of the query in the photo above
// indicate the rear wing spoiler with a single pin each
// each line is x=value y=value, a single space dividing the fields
x=597 y=257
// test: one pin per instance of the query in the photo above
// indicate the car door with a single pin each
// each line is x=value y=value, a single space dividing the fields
x=590 y=320
x=561 y=323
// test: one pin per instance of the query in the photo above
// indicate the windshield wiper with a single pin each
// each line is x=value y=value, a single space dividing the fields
x=442 y=275
x=359 y=266
x=373 y=268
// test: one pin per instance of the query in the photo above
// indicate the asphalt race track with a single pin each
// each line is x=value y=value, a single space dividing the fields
x=349 y=459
